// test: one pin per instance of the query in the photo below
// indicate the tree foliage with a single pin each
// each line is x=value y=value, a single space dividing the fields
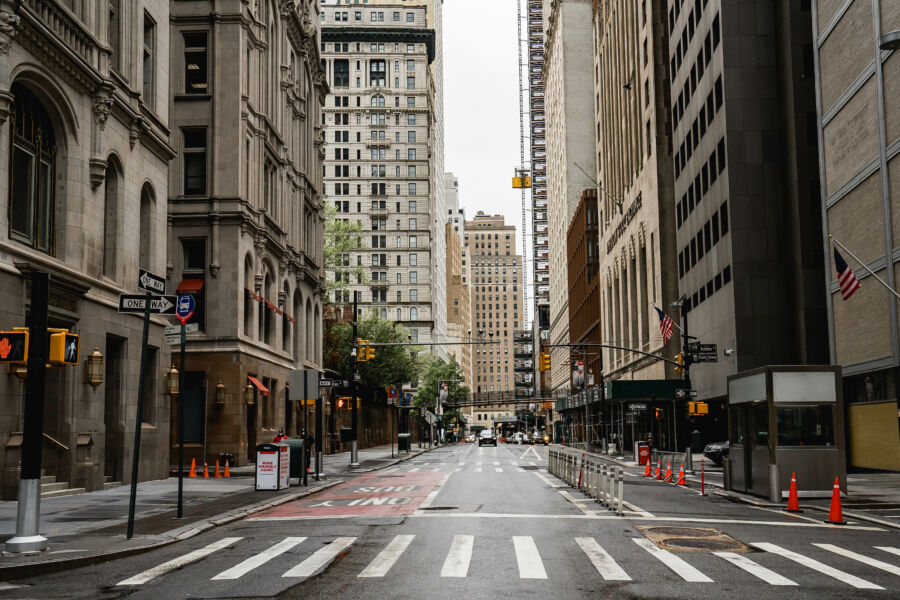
x=438 y=370
x=341 y=238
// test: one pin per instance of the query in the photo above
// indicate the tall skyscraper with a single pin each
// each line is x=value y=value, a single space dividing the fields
x=382 y=125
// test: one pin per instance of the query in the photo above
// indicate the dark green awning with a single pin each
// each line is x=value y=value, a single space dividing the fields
x=621 y=389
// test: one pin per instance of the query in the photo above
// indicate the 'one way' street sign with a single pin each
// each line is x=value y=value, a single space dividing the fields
x=149 y=282
x=134 y=303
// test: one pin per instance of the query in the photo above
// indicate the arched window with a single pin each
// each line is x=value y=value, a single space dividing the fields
x=110 y=218
x=413 y=314
x=399 y=314
x=310 y=331
x=248 y=299
x=148 y=228
x=384 y=313
x=317 y=320
x=267 y=323
x=32 y=172
x=298 y=328
x=377 y=100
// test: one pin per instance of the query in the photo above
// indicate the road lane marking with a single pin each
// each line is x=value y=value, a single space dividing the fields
x=602 y=561
x=533 y=451
x=817 y=566
x=260 y=559
x=177 y=563
x=461 y=463
x=889 y=549
x=457 y=562
x=577 y=502
x=681 y=568
x=321 y=558
x=514 y=463
x=496 y=463
x=414 y=469
x=382 y=563
x=861 y=558
x=520 y=469
x=433 y=493
x=479 y=463
x=498 y=469
x=532 y=463
x=477 y=469
x=547 y=481
x=767 y=575
x=529 y=559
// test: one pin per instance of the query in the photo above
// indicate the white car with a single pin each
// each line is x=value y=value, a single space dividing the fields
x=518 y=438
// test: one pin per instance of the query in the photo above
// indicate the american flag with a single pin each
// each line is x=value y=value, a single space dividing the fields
x=846 y=278
x=665 y=326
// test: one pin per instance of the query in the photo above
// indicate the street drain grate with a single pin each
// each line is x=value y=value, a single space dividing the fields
x=439 y=508
x=529 y=468
x=683 y=531
x=711 y=545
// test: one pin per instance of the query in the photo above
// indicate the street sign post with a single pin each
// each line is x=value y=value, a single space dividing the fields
x=326 y=383
x=702 y=357
x=683 y=393
x=149 y=282
x=176 y=329
x=135 y=303
x=185 y=308
x=697 y=348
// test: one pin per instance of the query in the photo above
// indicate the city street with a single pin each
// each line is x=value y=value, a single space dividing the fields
x=486 y=522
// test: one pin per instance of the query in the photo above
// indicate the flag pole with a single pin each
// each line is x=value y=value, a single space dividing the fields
x=872 y=273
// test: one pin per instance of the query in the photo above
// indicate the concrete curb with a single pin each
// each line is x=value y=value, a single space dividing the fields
x=172 y=536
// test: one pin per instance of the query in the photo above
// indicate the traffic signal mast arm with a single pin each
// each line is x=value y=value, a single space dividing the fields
x=614 y=347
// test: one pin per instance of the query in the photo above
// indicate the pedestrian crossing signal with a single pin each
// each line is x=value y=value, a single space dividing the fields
x=64 y=348
x=659 y=413
x=13 y=346
x=544 y=361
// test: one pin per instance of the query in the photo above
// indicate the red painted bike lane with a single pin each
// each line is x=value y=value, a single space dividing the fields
x=373 y=494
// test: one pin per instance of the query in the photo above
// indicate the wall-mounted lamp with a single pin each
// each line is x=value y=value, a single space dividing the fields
x=220 y=393
x=93 y=368
x=172 y=382
x=248 y=395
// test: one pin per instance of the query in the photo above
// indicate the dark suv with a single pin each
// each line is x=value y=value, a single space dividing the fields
x=487 y=437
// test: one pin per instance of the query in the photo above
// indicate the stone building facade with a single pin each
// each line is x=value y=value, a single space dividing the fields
x=857 y=79
x=570 y=149
x=246 y=215
x=459 y=296
x=84 y=153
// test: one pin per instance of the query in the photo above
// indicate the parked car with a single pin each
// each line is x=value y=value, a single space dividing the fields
x=716 y=452
x=487 y=437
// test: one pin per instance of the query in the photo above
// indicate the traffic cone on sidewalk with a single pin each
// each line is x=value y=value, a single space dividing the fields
x=205 y=470
x=835 y=516
x=668 y=478
x=227 y=470
x=648 y=472
x=658 y=475
x=218 y=475
x=681 y=480
x=793 y=501
x=193 y=472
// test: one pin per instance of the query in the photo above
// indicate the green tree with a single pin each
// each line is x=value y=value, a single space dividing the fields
x=436 y=371
x=341 y=238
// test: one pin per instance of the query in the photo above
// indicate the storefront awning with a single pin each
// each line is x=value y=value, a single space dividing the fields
x=256 y=382
x=190 y=286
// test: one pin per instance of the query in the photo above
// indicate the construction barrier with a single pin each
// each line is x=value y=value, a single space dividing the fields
x=598 y=478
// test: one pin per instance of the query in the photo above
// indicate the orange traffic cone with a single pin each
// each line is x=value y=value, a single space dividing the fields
x=658 y=475
x=218 y=475
x=648 y=471
x=835 y=516
x=193 y=472
x=227 y=471
x=681 y=480
x=793 y=501
x=668 y=478
x=205 y=471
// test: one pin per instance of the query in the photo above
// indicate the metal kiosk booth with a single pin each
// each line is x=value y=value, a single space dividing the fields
x=783 y=420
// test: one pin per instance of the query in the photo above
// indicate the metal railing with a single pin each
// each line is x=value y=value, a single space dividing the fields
x=596 y=477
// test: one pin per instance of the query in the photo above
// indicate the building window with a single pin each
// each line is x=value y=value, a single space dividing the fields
x=412 y=189
x=194 y=161
x=113 y=33
x=410 y=102
x=413 y=297
x=413 y=277
x=411 y=154
x=342 y=73
x=195 y=63
x=410 y=83
x=412 y=206
x=149 y=61
x=110 y=219
x=412 y=241
x=410 y=64
x=377 y=71
x=31 y=172
x=413 y=260
x=413 y=312
x=411 y=119
x=411 y=137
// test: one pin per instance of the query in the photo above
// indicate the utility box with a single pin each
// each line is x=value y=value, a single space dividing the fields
x=346 y=434
x=272 y=466
x=403 y=442
x=298 y=456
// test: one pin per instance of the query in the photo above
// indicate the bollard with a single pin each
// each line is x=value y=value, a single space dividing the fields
x=621 y=491
x=601 y=485
x=612 y=488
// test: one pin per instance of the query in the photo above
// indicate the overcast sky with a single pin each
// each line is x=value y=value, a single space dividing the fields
x=481 y=106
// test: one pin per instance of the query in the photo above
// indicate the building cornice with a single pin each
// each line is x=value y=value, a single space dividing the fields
x=381 y=34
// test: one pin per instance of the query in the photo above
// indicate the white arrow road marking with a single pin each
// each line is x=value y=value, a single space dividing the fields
x=260 y=559
x=382 y=563
x=321 y=558
x=681 y=568
x=602 y=561
x=325 y=503
x=767 y=575
x=861 y=558
x=457 y=562
x=532 y=450
x=530 y=564
x=817 y=566
x=177 y=563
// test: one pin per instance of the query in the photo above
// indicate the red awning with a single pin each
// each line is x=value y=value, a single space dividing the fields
x=263 y=389
x=190 y=286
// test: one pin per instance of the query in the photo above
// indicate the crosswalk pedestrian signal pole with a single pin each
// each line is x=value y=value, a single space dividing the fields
x=354 y=412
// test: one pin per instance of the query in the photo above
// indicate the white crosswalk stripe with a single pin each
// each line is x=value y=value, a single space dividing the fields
x=498 y=469
x=818 y=566
x=382 y=563
x=861 y=558
x=528 y=558
x=889 y=549
x=681 y=568
x=321 y=558
x=602 y=561
x=457 y=562
x=767 y=575
x=260 y=559
x=177 y=563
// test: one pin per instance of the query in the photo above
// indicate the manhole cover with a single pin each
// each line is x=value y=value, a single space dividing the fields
x=682 y=531
x=691 y=543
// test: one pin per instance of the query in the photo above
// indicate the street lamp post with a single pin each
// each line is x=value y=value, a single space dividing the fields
x=354 y=416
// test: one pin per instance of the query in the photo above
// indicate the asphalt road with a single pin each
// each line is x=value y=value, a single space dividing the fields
x=469 y=522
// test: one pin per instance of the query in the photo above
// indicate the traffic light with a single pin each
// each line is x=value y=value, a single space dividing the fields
x=361 y=354
x=544 y=361
x=13 y=346
x=64 y=348
x=658 y=413
x=679 y=358
x=370 y=351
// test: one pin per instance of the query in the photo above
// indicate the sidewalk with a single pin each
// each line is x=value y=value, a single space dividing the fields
x=88 y=528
